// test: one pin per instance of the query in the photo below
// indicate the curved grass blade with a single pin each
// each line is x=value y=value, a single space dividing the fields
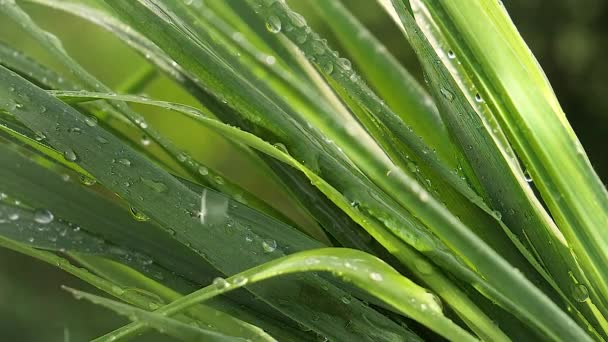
x=394 y=83
x=536 y=126
x=424 y=270
x=548 y=329
x=472 y=121
x=356 y=267
x=177 y=209
x=168 y=326
x=205 y=314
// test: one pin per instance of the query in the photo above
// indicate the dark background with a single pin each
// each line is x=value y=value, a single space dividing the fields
x=567 y=36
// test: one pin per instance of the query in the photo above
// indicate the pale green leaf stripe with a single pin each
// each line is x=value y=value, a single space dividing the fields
x=476 y=131
x=539 y=130
x=533 y=306
x=353 y=266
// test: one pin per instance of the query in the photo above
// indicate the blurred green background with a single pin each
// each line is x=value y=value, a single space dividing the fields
x=569 y=37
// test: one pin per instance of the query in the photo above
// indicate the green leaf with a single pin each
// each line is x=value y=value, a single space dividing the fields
x=363 y=270
x=112 y=160
x=169 y=326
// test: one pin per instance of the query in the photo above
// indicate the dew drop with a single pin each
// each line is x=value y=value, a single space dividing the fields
x=478 y=98
x=446 y=94
x=270 y=60
x=124 y=161
x=240 y=281
x=328 y=67
x=345 y=63
x=101 y=140
x=203 y=170
x=91 y=121
x=220 y=283
x=580 y=293
x=13 y=216
x=145 y=140
x=375 y=276
x=154 y=185
x=269 y=245
x=451 y=54
x=43 y=216
x=318 y=47
x=138 y=215
x=281 y=147
x=301 y=37
x=497 y=214
x=88 y=181
x=423 y=266
x=527 y=176
x=70 y=155
x=273 y=24
x=297 y=19
x=345 y=300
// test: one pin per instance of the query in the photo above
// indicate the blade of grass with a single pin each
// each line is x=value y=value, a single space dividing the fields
x=158 y=203
x=351 y=266
x=425 y=271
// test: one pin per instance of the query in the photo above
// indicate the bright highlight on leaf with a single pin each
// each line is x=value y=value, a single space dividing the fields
x=386 y=210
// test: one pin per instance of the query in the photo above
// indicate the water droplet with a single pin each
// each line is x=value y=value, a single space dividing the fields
x=156 y=186
x=497 y=214
x=328 y=67
x=580 y=293
x=478 y=98
x=101 y=140
x=273 y=24
x=220 y=283
x=43 y=216
x=423 y=266
x=13 y=216
x=297 y=19
x=301 y=37
x=270 y=60
x=91 y=121
x=281 y=147
x=74 y=130
x=70 y=155
x=182 y=157
x=375 y=276
x=124 y=161
x=527 y=176
x=344 y=63
x=203 y=170
x=88 y=181
x=138 y=215
x=240 y=281
x=446 y=94
x=451 y=54
x=345 y=300
x=145 y=140
x=269 y=245
x=318 y=48
x=117 y=290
